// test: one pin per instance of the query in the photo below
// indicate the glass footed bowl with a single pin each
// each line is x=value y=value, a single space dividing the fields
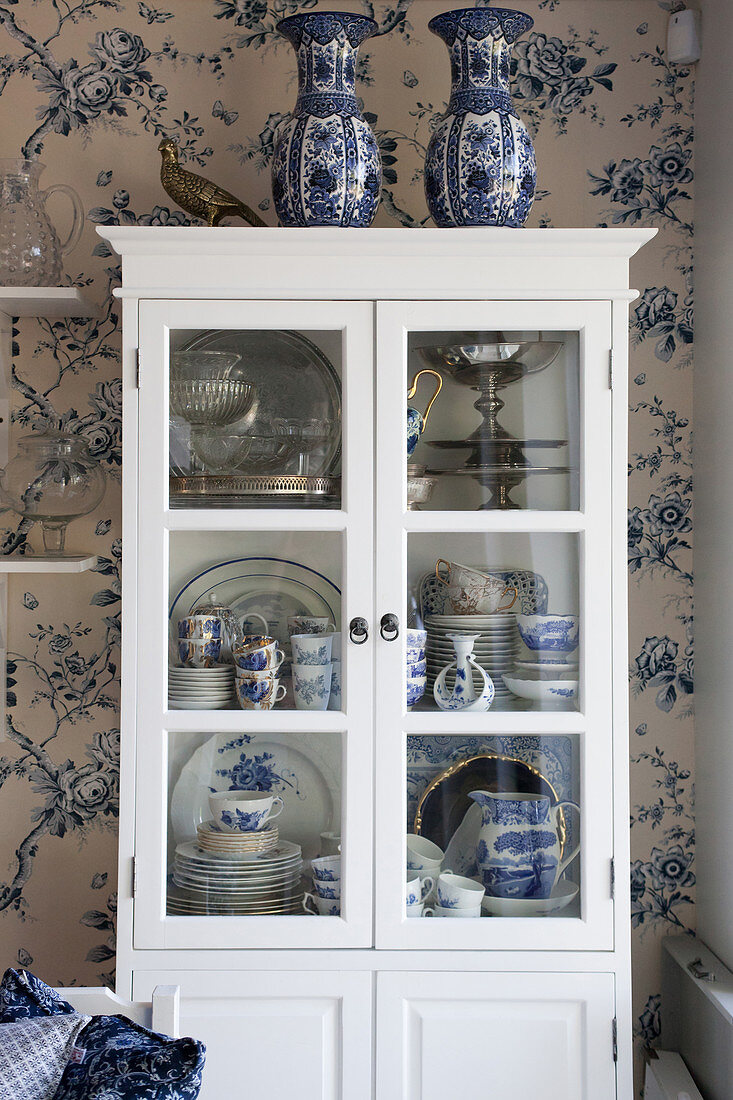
x=54 y=479
x=501 y=363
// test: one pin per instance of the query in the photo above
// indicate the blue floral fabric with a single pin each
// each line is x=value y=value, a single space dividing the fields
x=116 y=1059
x=120 y=1060
x=23 y=996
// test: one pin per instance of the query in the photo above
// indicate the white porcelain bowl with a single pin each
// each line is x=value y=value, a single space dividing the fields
x=542 y=691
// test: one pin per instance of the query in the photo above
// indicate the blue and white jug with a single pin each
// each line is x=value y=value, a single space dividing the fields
x=520 y=847
x=416 y=420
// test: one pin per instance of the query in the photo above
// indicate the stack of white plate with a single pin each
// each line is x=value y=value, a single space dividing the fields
x=231 y=845
x=256 y=883
x=201 y=688
x=495 y=649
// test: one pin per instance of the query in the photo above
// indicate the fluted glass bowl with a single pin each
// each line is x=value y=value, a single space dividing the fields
x=211 y=402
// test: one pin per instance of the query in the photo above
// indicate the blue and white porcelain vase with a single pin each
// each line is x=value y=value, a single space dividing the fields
x=326 y=168
x=480 y=164
x=462 y=696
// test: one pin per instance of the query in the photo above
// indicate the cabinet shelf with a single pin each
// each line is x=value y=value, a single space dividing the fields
x=240 y=721
x=45 y=301
x=74 y=563
x=494 y=723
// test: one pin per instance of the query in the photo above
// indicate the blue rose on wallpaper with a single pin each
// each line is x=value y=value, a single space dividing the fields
x=635 y=526
x=657 y=655
x=121 y=50
x=546 y=76
x=658 y=314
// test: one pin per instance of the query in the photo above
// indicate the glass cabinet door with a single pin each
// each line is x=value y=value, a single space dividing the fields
x=254 y=556
x=494 y=701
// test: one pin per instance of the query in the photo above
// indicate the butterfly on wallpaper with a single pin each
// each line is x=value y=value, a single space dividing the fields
x=220 y=111
x=409 y=79
x=151 y=15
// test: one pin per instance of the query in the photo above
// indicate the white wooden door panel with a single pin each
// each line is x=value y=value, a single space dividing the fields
x=277 y=1035
x=510 y=1036
x=584 y=535
x=227 y=534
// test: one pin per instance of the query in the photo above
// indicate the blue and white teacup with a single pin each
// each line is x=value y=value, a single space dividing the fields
x=330 y=890
x=199 y=653
x=244 y=811
x=420 y=910
x=458 y=892
x=321 y=907
x=414 y=655
x=311 y=649
x=311 y=686
x=416 y=888
x=309 y=624
x=202 y=627
x=326 y=868
x=258 y=691
x=257 y=653
x=334 y=699
x=416 y=669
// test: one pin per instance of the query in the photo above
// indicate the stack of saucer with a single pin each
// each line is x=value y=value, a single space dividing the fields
x=232 y=844
x=255 y=883
x=495 y=649
x=201 y=688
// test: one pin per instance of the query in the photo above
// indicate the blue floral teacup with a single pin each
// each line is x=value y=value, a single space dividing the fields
x=311 y=649
x=259 y=692
x=322 y=907
x=312 y=686
x=334 y=699
x=244 y=811
x=326 y=868
x=416 y=888
x=199 y=653
x=330 y=890
x=258 y=653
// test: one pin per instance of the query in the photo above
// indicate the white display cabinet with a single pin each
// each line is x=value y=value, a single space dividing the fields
x=297 y=495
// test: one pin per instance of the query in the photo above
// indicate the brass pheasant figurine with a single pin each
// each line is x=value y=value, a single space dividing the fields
x=197 y=195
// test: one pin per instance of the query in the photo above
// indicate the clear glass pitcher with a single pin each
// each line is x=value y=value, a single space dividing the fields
x=30 y=251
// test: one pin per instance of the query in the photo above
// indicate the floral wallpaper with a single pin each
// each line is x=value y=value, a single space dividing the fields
x=90 y=86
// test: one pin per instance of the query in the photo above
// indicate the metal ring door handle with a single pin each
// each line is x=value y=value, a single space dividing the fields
x=358 y=630
x=389 y=627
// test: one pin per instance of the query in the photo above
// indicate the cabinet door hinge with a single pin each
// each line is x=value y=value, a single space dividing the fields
x=137 y=368
x=614 y=1038
x=610 y=369
x=613 y=878
x=134 y=878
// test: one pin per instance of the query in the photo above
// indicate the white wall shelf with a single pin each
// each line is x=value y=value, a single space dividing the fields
x=45 y=301
x=74 y=563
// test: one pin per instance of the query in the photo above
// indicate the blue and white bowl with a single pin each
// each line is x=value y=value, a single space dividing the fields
x=415 y=654
x=555 y=633
x=416 y=670
x=416 y=638
x=415 y=689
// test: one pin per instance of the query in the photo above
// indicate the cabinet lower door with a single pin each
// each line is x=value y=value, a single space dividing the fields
x=514 y=1036
x=276 y=1034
